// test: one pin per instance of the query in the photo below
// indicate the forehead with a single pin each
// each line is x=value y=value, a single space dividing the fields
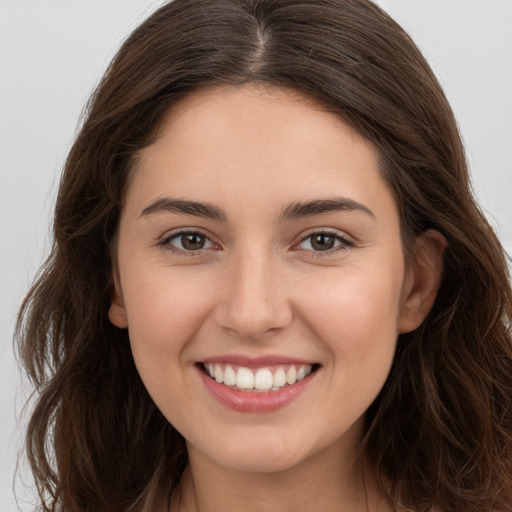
x=273 y=142
x=268 y=118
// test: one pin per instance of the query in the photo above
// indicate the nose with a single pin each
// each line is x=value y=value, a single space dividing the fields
x=254 y=301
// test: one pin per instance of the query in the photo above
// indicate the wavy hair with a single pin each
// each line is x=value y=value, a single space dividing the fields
x=440 y=432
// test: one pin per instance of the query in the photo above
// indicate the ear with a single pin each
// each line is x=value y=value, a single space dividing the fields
x=422 y=280
x=117 y=311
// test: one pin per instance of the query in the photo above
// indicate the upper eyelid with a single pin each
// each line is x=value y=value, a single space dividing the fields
x=345 y=241
x=342 y=235
x=173 y=233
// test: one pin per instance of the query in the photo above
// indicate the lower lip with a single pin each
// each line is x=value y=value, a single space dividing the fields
x=247 y=401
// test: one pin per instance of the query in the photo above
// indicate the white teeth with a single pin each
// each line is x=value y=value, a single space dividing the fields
x=244 y=378
x=303 y=371
x=279 y=379
x=229 y=376
x=261 y=380
x=219 y=374
x=291 y=375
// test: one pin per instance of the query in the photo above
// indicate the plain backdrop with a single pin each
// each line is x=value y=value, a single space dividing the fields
x=52 y=53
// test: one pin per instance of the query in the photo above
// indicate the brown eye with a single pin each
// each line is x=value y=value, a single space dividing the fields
x=187 y=241
x=322 y=242
x=193 y=241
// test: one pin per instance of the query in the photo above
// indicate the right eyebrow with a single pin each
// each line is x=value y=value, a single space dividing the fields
x=186 y=207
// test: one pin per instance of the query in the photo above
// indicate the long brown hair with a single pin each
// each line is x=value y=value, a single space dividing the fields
x=440 y=431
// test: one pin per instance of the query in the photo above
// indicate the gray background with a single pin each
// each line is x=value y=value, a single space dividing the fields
x=52 y=52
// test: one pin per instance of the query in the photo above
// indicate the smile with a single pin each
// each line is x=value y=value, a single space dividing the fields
x=256 y=386
x=268 y=378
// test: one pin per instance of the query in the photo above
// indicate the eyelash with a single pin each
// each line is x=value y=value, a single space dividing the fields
x=343 y=243
x=167 y=245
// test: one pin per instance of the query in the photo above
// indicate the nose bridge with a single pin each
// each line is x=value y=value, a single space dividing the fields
x=254 y=299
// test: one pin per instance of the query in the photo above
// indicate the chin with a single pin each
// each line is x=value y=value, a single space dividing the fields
x=258 y=454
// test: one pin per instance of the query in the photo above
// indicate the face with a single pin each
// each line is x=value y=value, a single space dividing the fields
x=261 y=276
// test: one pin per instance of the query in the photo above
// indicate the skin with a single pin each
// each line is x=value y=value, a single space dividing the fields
x=258 y=286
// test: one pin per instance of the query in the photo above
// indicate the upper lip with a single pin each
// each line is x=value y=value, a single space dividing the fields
x=256 y=362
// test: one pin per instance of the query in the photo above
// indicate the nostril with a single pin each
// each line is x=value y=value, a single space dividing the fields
x=253 y=323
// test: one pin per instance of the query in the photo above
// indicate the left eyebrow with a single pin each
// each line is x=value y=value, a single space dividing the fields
x=301 y=209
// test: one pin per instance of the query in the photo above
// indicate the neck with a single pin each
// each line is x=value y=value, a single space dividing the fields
x=324 y=482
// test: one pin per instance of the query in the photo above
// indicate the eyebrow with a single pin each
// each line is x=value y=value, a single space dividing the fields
x=300 y=209
x=195 y=208
x=296 y=210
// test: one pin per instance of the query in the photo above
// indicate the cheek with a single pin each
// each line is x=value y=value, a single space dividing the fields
x=357 y=302
x=163 y=317
x=166 y=302
x=164 y=311
x=355 y=314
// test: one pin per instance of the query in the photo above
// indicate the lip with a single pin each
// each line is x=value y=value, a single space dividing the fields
x=254 y=402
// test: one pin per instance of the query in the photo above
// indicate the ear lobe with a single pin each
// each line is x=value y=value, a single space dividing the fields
x=117 y=311
x=423 y=280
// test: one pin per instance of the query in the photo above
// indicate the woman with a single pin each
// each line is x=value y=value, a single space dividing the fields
x=270 y=285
